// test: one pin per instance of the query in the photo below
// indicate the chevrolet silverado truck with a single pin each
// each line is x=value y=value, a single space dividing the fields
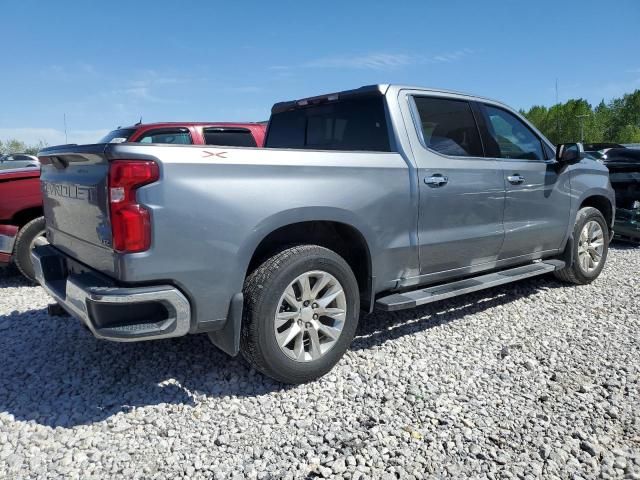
x=383 y=197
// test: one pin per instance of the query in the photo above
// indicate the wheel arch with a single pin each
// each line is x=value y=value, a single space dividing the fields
x=342 y=238
x=24 y=216
x=601 y=203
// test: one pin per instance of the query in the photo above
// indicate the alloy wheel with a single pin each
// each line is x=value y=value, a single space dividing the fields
x=311 y=315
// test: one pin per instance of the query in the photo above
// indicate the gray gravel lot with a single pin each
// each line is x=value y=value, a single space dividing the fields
x=528 y=380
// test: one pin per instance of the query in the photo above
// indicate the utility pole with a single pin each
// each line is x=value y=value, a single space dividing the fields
x=581 y=118
x=557 y=116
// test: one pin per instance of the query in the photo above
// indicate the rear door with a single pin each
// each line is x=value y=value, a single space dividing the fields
x=538 y=200
x=461 y=192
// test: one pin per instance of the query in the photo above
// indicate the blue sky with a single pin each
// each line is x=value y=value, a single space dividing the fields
x=105 y=64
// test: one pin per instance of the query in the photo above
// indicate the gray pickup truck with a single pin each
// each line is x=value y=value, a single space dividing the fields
x=383 y=197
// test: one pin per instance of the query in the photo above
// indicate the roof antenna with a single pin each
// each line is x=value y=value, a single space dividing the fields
x=140 y=121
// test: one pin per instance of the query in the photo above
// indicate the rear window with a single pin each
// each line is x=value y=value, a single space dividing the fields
x=118 y=136
x=231 y=137
x=356 y=124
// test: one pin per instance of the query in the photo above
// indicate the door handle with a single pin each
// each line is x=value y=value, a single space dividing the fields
x=436 y=180
x=515 y=179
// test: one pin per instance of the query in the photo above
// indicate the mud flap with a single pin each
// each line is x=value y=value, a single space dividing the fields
x=567 y=254
x=227 y=338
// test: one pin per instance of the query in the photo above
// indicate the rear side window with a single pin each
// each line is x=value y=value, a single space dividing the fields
x=231 y=137
x=178 y=136
x=448 y=126
x=510 y=137
x=352 y=124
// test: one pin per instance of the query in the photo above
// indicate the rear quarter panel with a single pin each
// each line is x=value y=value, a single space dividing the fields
x=213 y=206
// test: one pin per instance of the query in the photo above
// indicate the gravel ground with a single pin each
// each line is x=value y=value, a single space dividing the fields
x=534 y=379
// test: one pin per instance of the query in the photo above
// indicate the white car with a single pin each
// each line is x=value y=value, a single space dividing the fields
x=18 y=160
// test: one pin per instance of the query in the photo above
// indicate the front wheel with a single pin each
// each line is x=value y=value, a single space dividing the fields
x=300 y=314
x=590 y=248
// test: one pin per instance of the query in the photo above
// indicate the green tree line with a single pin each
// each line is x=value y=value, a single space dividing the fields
x=16 y=146
x=617 y=121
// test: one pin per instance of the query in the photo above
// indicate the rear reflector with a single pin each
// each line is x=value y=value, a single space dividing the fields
x=130 y=221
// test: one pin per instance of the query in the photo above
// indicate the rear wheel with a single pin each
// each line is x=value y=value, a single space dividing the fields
x=590 y=248
x=300 y=314
x=30 y=236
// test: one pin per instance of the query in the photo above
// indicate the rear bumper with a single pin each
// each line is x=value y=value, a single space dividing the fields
x=8 y=235
x=111 y=312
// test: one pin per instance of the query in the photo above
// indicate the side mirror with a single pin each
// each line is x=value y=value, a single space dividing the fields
x=569 y=152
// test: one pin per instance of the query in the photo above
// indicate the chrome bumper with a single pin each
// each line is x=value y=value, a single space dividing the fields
x=111 y=312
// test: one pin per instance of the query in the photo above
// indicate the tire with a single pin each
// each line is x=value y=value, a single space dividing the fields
x=309 y=355
x=25 y=242
x=579 y=273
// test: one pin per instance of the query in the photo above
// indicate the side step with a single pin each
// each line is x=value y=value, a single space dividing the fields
x=414 y=298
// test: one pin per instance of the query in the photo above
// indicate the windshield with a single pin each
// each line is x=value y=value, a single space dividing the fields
x=120 y=135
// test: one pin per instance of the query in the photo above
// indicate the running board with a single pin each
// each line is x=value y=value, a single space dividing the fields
x=414 y=298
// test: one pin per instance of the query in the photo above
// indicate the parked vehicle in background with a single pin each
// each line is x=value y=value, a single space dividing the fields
x=384 y=197
x=624 y=171
x=22 y=225
x=18 y=160
x=191 y=133
x=21 y=222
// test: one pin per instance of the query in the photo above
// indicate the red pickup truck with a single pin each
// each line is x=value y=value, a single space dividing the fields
x=21 y=221
x=22 y=225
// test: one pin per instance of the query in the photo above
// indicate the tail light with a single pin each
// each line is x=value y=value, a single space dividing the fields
x=130 y=221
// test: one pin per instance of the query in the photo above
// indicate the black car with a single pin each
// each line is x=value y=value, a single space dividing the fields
x=624 y=173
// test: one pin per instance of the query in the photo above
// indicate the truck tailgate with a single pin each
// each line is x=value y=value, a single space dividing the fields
x=76 y=205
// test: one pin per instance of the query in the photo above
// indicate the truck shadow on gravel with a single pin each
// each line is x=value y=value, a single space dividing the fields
x=55 y=373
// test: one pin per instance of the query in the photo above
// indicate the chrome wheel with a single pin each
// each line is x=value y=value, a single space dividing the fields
x=591 y=246
x=311 y=315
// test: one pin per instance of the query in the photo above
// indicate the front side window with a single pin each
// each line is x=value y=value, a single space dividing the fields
x=509 y=137
x=173 y=136
x=448 y=126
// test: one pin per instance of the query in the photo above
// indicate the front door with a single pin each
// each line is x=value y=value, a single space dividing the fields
x=461 y=192
x=538 y=200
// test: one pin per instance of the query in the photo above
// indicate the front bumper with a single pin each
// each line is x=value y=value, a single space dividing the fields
x=8 y=235
x=111 y=312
